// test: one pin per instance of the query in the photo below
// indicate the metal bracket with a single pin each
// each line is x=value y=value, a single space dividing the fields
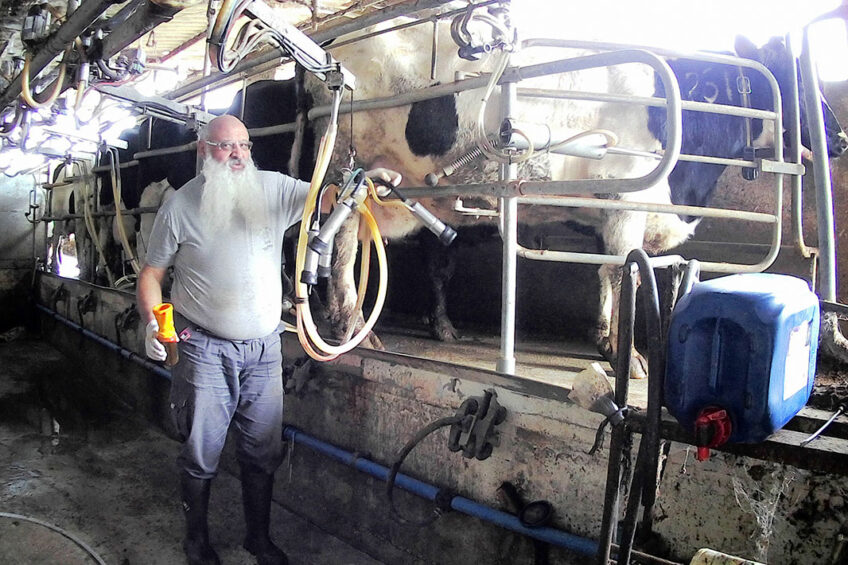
x=86 y=303
x=302 y=48
x=126 y=319
x=177 y=110
x=59 y=295
x=781 y=167
x=749 y=154
x=475 y=435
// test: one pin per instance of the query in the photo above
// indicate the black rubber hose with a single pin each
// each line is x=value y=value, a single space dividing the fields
x=627 y=314
x=418 y=438
x=107 y=71
x=643 y=485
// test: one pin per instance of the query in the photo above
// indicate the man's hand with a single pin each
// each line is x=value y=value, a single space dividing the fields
x=387 y=175
x=152 y=346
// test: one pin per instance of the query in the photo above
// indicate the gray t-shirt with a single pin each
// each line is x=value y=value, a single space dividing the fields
x=228 y=282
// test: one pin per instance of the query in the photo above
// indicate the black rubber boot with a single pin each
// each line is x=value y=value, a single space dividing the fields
x=195 y=505
x=256 y=489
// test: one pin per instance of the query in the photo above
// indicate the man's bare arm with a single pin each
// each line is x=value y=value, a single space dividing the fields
x=149 y=290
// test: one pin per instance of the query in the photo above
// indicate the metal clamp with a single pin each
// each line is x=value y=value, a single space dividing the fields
x=475 y=434
x=124 y=320
x=59 y=295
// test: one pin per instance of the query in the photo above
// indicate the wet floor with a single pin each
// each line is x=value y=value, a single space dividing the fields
x=85 y=482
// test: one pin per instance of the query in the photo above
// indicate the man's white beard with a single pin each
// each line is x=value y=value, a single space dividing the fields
x=230 y=195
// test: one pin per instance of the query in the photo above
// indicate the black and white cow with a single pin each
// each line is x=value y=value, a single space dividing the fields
x=710 y=134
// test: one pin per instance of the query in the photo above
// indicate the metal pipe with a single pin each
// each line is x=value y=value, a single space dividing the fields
x=165 y=151
x=264 y=62
x=254 y=132
x=33 y=206
x=76 y=23
x=600 y=259
x=272 y=56
x=100 y=169
x=461 y=504
x=690 y=277
x=533 y=71
x=509 y=236
x=824 y=196
x=243 y=98
x=107 y=213
x=612 y=492
x=794 y=127
x=272 y=130
x=435 y=19
x=604 y=204
x=125 y=353
x=731 y=60
x=219 y=80
x=654 y=101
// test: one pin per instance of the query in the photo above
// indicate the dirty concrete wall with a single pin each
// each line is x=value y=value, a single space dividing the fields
x=372 y=403
x=16 y=246
x=114 y=379
x=374 y=407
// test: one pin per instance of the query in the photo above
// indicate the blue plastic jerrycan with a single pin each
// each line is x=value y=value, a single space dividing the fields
x=741 y=357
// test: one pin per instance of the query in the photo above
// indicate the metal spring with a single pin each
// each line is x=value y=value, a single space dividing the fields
x=432 y=179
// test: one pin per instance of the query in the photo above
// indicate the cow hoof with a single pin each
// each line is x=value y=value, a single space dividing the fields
x=443 y=330
x=638 y=366
x=605 y=349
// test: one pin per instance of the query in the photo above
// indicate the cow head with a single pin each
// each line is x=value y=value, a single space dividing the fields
x=726 y=136
x=775 y=56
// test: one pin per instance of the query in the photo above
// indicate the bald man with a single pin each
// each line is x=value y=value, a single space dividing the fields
x=223 y=232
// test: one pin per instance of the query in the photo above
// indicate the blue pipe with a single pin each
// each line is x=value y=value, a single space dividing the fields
x=552 y=536
x=126 y=353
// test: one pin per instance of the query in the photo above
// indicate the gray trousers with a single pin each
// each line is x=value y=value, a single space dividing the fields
x=218 y=382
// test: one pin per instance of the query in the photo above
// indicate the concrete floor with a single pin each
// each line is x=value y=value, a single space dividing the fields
x=68 y=460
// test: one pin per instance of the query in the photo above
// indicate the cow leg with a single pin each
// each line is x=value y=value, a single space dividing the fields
x=622 y=232
x=441 y=264
x=606 y=275
x=86 y=261
x=54 y=255
x=341 y=295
